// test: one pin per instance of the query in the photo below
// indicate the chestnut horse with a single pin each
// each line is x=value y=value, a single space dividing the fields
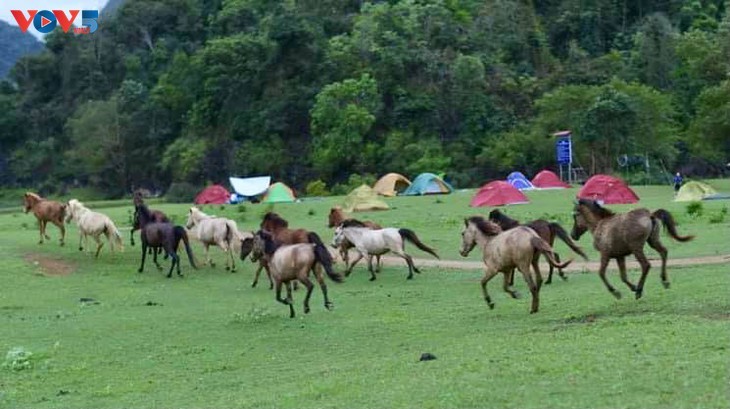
x=547 y=231
x=616 y=235
x=503 y=251
x=156 y=215
x=294 y=262
x=45 y=211
x=336 y=217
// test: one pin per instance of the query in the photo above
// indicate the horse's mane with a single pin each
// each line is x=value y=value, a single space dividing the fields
x=270 y=245
x=504 y=221
x=34 y=196
x=275 y=219
x=485 y=226
x=595 y=208
x=352 y=223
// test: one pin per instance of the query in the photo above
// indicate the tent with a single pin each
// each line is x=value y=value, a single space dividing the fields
x=249 y=187
x=608 y=190
x=546 y=179
x=363 y=199
x=214 y=194
x=428 y=184
x=692 y=191
x=498 y=193
x=518 y=180
x=391 y=184
x=279 y=193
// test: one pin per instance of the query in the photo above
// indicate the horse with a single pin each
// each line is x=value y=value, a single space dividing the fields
x=219 y=231
x=294 y=262
x=45 y=211
x=503 y=251
x=161 y=235
x=93 y=224
x=377 y=242
x=547 y=231
x=157 y=215
x=616 y=235
x=336 y=217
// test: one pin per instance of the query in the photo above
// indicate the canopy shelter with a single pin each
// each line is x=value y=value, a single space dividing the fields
x=279 y=193
x=391 y=184
x=428 y=184
x=546 y=179
x=693 y=191
x=608 y=190
x=363 y=199
x=518 y=180
x=214 y=194
x=498 y=193
x=250 y=187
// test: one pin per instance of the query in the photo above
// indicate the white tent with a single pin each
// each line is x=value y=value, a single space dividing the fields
x=249 y=187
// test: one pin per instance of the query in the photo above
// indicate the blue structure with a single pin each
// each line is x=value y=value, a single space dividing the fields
x=518 y=180
x=428 y=184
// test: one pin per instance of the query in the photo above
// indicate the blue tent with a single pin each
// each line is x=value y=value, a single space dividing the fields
x=428 y=184
x=518 y=180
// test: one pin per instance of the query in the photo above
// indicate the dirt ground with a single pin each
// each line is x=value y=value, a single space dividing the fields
x=48 y=266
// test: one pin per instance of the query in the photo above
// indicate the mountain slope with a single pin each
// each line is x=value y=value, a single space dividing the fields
x=13 y=45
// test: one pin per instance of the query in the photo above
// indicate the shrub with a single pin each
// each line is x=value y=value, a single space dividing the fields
x=17 y=359
x=182 y=192
x=719 y=217
x=695 y=209
x=316 y=188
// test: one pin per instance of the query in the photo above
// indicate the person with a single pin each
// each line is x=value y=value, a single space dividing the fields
x=677 y=182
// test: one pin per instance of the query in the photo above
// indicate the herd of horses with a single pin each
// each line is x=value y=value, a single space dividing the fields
x=289 y=255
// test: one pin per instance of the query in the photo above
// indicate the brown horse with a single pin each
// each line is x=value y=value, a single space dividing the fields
x=336 y=217
x=547 y=231
x=156 y=215
x=45 y=211
x=504 y=251
x=618 y=235
x=164 y=236
x=294 y=262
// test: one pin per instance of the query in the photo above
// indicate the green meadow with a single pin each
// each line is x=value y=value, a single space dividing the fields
x=210 y=340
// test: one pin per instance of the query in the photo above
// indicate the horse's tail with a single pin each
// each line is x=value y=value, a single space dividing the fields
x=113 y=234
x=410 y=235
x=181 y=234
x=323 y=257
x=560 y=232
x=231 y=232
x=543 y=247
x=669 y=224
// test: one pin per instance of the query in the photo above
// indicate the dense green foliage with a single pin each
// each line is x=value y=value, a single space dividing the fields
x=13 y=45
x=197 y=90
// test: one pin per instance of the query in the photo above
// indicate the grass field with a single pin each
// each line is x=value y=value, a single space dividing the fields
x=209 y=340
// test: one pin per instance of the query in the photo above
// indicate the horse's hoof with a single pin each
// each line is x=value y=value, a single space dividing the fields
x=139 y=271
x=533 y=311
x=618 y=294
x=516 y=295
x=306 y=310
x=329 y=306
x=253 y=285
x=639 y=293
x=565 y=278
x=491 y=305
x=547 y=282
x=372 y=278
x=410 y=277
x=81 y=249
x=665 y=284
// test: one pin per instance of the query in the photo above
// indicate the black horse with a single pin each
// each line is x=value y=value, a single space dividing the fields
x=164 y=236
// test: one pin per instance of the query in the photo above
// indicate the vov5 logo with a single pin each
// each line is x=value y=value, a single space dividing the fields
x=46 y=21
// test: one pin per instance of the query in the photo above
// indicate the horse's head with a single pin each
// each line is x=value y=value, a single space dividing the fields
x=29 y=200
x=72 y=209
x=335 y=217
x=474 y=228
x=272 y=222
x=585 y=214
x=246 y=247
x=339 y=236
x=262 y=244
x=192 y=217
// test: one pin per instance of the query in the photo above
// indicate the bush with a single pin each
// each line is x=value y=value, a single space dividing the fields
x=316 y=188
x=719 y=217
x=695 y=209
x=182 y=192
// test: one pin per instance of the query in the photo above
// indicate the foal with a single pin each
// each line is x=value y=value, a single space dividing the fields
x=45 y=211
x=547 y=231
x=616 y=235
x=294 y=262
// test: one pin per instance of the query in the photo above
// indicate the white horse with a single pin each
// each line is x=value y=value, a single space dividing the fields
x=93 y=224
x=368 y=242
x=217 y=231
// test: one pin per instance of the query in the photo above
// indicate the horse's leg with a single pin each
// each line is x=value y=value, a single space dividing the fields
x=533 y=284
x=357 y=259
x=409 y=261
x=378 y=264
x=81 y=240
x=289 y=299
x=155 y=252
x=602 y=274
x=621 y=261
x=179 y=273
x=144 y=254
x=131 y=236
x=174 y=260
x=99 y=245
x=320 y=279
x=229 y=251
x=304 y=278
x=507 y=286
x=488 y=275
x=45 y=232
x=41 y=229
x=657 y=245
x=536 y=269
x=645 y=266
x=63 y=231
x=256 y=274
x=561 y=273
x=207 y=255
x=370 y=267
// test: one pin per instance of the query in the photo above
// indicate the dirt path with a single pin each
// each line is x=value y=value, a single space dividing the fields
x=577 y=265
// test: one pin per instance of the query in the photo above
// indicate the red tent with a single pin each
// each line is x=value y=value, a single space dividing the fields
x=498 y=193
x=215 y=194
x=608 y=189
x=548 y=180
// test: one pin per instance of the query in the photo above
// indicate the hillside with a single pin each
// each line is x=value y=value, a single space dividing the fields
x=13 y=45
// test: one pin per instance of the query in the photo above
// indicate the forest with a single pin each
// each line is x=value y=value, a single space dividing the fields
x=193 y=91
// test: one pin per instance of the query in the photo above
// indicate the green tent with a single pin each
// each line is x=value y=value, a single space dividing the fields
x=363 y=199
x=693 y=191
x=428 y=184
x=279 y=193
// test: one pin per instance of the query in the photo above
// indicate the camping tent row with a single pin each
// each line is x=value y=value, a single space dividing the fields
x=545 y=179
x=247 y=188
x=424 y=184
